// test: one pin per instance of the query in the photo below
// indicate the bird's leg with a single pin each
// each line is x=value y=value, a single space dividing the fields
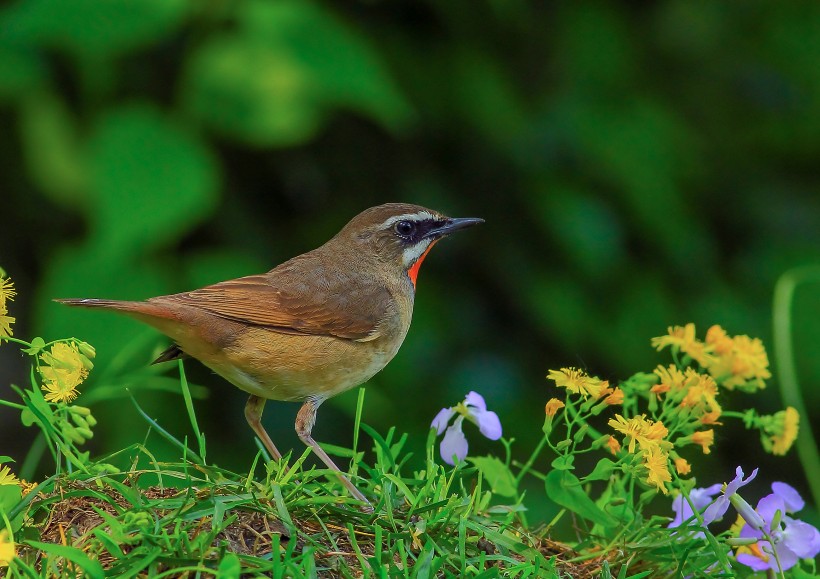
x=305 y=420
x=253 y=414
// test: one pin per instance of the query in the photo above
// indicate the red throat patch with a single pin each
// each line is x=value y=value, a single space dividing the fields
x=413 y=272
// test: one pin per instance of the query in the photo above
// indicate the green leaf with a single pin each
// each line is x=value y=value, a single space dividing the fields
x=24 y=72
x=27 y=417
x=37 y=344
x=152 y=180
x=252 y=93
x=229 y=567
x=92 y=568
x=497 y=474
x=273 y=80
x=54 y=156
x=563 y=462
x=90 y=28
x=602 y=471
x=565 y=489
x=10 y=495
x=344 y=70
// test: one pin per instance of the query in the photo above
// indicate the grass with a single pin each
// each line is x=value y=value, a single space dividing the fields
x=193 y=519
x=129 y=515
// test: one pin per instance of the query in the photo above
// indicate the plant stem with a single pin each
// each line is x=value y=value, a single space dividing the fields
x=787 y=372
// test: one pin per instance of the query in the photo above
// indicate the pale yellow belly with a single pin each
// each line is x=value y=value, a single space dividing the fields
x=287 y=367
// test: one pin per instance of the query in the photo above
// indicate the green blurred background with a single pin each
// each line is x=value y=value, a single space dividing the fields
x=638 y=164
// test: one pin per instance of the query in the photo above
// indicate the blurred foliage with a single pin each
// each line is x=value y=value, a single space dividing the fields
x=639 y=165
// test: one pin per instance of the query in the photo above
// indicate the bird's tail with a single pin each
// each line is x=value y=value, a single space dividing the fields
x=136 y=309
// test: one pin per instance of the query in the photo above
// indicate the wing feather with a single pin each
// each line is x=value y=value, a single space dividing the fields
x=287 y=303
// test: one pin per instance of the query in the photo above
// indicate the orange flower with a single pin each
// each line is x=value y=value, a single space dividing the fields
x=616 y=397
x=613 y=444
x=553 y=406
x=682 y=466
x=705 y=438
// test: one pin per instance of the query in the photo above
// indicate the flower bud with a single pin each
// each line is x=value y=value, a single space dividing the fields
x=81 y=410
x=87 y=364
x=746 y=511
x=86 y=433
x=741 y=541
x=86 y=349
x=71 y=434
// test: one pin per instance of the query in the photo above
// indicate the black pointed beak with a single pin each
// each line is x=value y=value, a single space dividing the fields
x=452 y=224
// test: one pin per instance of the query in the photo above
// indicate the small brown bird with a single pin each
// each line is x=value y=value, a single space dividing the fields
x=313 y=327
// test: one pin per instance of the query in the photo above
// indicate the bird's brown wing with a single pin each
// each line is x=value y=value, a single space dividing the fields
x=288 y=303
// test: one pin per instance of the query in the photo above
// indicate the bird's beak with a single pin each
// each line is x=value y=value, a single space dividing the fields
x=452 y=224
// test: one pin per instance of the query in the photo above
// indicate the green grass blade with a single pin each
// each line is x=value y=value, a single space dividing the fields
x=189 y=406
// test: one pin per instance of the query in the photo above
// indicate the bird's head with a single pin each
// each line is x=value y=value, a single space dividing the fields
x=399 y=235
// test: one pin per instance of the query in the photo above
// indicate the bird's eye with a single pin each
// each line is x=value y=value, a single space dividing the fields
x=405 y=228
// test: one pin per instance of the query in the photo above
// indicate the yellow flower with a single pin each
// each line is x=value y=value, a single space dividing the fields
x=578 y=382
x=717 y=338
x=683 y=338
x=7 y=551
x=613 y=444
x=7 y=477
x=701 y=391
x=682 y=466
x=5 y=324
x=670 y=378
x=6 y=291
x=65 y=370
x=553 y=406
x=785 y=430
x=657 y=467
x=705 y=438
x=27 y=487
x=616 y=397
x=741 y=363
x=638 y=429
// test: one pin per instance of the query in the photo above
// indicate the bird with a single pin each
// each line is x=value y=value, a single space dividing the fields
x=310 y=328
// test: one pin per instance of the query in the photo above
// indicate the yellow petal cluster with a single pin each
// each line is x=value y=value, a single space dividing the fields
x=7 y=550
x=741 y=362
x=579 y=382
x=656 y=462
x=653 y=448
x=638 y=429
x=7 y=293
x=682 y=339
x=62 y=370
x=7 y=477
x=782 y=431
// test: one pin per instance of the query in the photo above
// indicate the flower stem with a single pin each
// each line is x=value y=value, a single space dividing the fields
x=528 y=465
x=787 y=371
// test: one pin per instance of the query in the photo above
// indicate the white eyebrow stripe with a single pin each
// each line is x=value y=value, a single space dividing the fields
x=420 y=216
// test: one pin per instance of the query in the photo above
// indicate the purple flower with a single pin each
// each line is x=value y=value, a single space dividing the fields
x=474 y=409
x=791 y=539
x=700 y=498
x=717 y=509
x=794 y=502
